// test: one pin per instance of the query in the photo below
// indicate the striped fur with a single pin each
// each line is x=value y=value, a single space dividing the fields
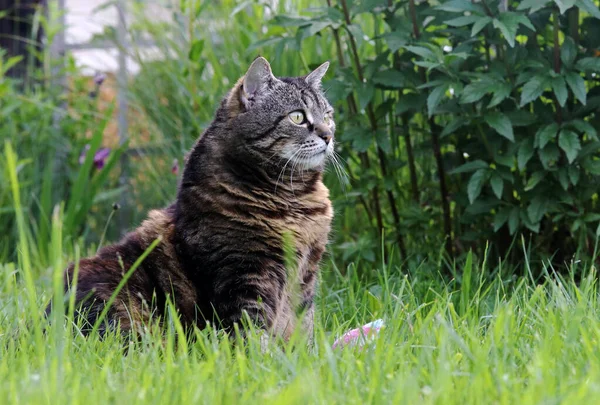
x=222 y=241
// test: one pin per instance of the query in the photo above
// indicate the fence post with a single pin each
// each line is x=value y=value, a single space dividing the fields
x=125 y=211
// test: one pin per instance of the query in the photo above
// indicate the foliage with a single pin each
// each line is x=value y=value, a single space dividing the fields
x=483 y=113
x=55 y=138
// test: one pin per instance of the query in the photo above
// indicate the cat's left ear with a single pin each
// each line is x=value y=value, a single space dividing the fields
x=314 y=78
x=257 y=78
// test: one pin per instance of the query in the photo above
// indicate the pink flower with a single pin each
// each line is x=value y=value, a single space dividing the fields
x=360 y=336
x=175 y=167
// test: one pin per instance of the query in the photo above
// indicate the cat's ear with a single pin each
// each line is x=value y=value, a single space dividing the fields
x=257 y=78
x=314 y=78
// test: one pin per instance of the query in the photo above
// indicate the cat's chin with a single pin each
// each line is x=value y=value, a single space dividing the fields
x=314 y=162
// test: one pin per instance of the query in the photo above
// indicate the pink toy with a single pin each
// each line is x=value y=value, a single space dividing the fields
x=359 y=337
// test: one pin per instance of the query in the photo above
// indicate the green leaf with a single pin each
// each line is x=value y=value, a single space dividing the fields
x=501 y=92
x=480 y=24
x=283 y=20
x=396 y=40
x=390 y=78
x=435 y=97
x=525 y=153
x=196 y=50
x=462 y=20
x=470 y=167
x=521 y=118
x=591 y=217
x=314 y=28
x=568 y=51
x=453 y=126
x=592 y=166
x=564 y=5
x=532 y=5
x=423 y=52
x=427 y=65
x=500 y=218
x=534 y=227
x=533 y=89
x=501 y=124
x=365 y=93
x=585 y=128
x=577 y=86
x=459 y=6
x=509 y=35
x=534 y=180
x=508 y=23
x=563 y=178
x=513 y=220
x=365 y=6
x=537 y=208
x=361 y=138
x=356 y=31
x=569 y=142
x=475 y=91
x=545 y=135
x=588 y=64
x=573 y=174
x=410 y=102
x=589 y=6
x=497 y=185
x=560 y=90
x=549 y=156
x=475 y=185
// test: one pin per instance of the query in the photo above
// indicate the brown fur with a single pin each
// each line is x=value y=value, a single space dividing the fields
x=222 y=252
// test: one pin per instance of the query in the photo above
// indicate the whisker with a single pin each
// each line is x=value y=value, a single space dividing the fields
x=284 y=167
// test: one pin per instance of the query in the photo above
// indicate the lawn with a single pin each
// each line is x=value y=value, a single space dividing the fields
x=493 y=341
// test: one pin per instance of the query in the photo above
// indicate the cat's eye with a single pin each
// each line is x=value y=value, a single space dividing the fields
x=297 y=117
x=327 y=120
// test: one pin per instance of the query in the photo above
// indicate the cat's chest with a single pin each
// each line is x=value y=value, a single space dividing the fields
x=308 y=221
x=308 y=225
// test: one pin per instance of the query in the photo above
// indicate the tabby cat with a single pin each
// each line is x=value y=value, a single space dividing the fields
x=253 y=178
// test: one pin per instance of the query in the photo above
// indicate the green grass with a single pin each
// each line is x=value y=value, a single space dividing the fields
x=536 y=344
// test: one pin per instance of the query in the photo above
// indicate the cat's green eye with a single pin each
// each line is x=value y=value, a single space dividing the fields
x=327 y=119
x=297 y=117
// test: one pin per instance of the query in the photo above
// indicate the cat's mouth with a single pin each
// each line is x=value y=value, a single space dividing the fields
x=312 y=159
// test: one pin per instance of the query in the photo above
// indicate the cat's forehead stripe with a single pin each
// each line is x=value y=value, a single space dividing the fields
x=311 y=96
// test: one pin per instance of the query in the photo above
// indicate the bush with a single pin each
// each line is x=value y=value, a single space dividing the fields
x=465 y=121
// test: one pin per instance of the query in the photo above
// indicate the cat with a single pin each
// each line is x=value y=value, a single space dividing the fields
x=252 y=181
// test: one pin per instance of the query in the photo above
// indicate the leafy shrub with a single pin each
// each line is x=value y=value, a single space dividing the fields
x=466 y=121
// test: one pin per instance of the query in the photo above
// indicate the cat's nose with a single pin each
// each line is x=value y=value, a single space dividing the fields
x=324 y=132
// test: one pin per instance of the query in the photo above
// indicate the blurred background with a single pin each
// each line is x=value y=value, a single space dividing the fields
x=462 y=125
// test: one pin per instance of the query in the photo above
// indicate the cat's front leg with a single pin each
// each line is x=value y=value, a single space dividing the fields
x=250 y=294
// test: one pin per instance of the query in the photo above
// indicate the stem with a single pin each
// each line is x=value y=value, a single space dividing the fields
x=435 y=140
x=437 y=152
x=573 y=18
x=413 y=18
x=373 y=122
x=353 y=109
x=411 y=160
x=556 y=61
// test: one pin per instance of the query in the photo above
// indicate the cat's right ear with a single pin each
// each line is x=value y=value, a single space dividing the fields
x=257 y=78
